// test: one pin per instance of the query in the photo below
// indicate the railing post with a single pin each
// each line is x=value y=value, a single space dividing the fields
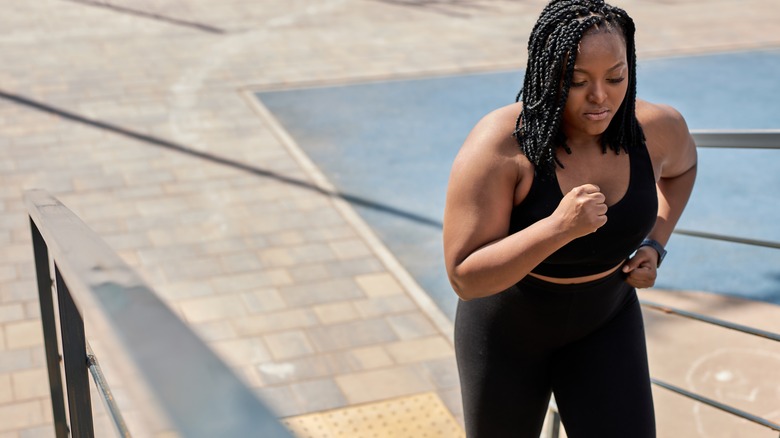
x=555 y=429
x=51 y=346
x=553 y=421
x=74 y=353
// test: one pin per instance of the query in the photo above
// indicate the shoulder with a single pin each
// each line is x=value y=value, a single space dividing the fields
x=495 y=129
x=491 y=141
x=660 y=119
x=668 y=139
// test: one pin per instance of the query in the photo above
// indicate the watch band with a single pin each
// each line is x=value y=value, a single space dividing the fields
x=657 y=247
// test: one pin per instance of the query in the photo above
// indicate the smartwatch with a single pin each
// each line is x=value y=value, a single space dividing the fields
x=657 y=247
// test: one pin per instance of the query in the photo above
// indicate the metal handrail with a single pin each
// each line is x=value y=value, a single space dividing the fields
x=734 y=139
x=737 y=138
x=710 y=320
x=718 y=405
x=195 y=390
x=724 y=238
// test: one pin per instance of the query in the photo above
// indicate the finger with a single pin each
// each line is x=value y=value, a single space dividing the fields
x=590 y=188
x=643 y=276
x=598 y=197
x=631 y=264
x=639 y=284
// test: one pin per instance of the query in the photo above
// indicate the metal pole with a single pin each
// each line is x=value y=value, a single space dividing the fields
x=108 y=396
x=75 y=358
x=51 y=346
x=709 y=320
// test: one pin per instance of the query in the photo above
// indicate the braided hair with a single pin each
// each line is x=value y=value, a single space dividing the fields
x=552 y=52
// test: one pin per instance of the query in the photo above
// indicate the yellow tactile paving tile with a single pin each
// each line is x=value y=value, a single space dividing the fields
x=419 y=416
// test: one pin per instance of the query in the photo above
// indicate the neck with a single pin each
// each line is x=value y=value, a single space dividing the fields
x=583 y=141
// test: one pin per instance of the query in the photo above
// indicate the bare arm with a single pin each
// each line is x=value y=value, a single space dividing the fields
x=488 y=178
x=675 y=152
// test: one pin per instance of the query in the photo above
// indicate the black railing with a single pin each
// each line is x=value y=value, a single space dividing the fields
x=173 y=378
x=766 y=139
x=749 y=139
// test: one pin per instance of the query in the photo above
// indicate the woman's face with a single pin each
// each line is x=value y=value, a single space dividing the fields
x=598 y=86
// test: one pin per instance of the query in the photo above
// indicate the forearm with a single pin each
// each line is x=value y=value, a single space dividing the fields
x=673 y=195
x=498 y=265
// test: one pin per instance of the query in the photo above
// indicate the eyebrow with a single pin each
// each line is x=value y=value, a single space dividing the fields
x=619 y=64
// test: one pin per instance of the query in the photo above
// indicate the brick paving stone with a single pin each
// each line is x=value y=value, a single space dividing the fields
x=366 y=358
x=382 y=384
x=184 y=290
x=215 y=331
x=309 y=273
x=205 y=309
x=240 y=262
x=281 y=400
x=412 y=325
x=37 y=432
x=304 y=368
x=379 y=284
x=23 y=334
x=320 y=292
x=385 y=305
x=288 y=345
x=18 y=290
x=32 y=310
x=272 y=322
x=11 y=312
x=247 y=351
x=336 y=312
x=417 y=350
x=443 y=373
x=20 y=415
x=367 y=265
x=297 y=254
x=263 y=300
x=319 y=395
x=350 y=249
x=351 y=334
x=30 y=384
x=6 y=390
x=14 y=360
x=287 y=238
x=250 y=281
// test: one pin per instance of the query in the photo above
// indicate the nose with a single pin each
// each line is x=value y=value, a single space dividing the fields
x=597 y=94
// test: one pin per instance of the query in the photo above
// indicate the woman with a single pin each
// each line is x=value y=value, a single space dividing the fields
x=558 y=207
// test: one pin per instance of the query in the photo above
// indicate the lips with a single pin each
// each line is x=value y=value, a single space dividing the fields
x=597 y=114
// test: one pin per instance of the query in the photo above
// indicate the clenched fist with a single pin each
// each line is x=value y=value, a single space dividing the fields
x=582 y=211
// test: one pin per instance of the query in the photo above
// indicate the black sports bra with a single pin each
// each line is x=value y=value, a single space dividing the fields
x=628 y=222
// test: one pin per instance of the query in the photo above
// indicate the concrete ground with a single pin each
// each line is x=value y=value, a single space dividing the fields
x=115 y=107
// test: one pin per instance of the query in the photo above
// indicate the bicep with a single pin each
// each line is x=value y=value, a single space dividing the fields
x=479 y=202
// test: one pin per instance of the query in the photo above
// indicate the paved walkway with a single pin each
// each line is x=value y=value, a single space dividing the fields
x=115 y=106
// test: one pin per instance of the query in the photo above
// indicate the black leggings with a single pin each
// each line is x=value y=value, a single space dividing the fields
x=585 y=343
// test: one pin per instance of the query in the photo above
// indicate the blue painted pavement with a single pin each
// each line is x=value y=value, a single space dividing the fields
x=391 y=144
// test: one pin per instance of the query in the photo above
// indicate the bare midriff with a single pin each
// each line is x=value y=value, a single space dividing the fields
x=576 y=280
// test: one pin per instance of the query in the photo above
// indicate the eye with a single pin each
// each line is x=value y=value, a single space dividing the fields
x=577 y=84
x=616 y=80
